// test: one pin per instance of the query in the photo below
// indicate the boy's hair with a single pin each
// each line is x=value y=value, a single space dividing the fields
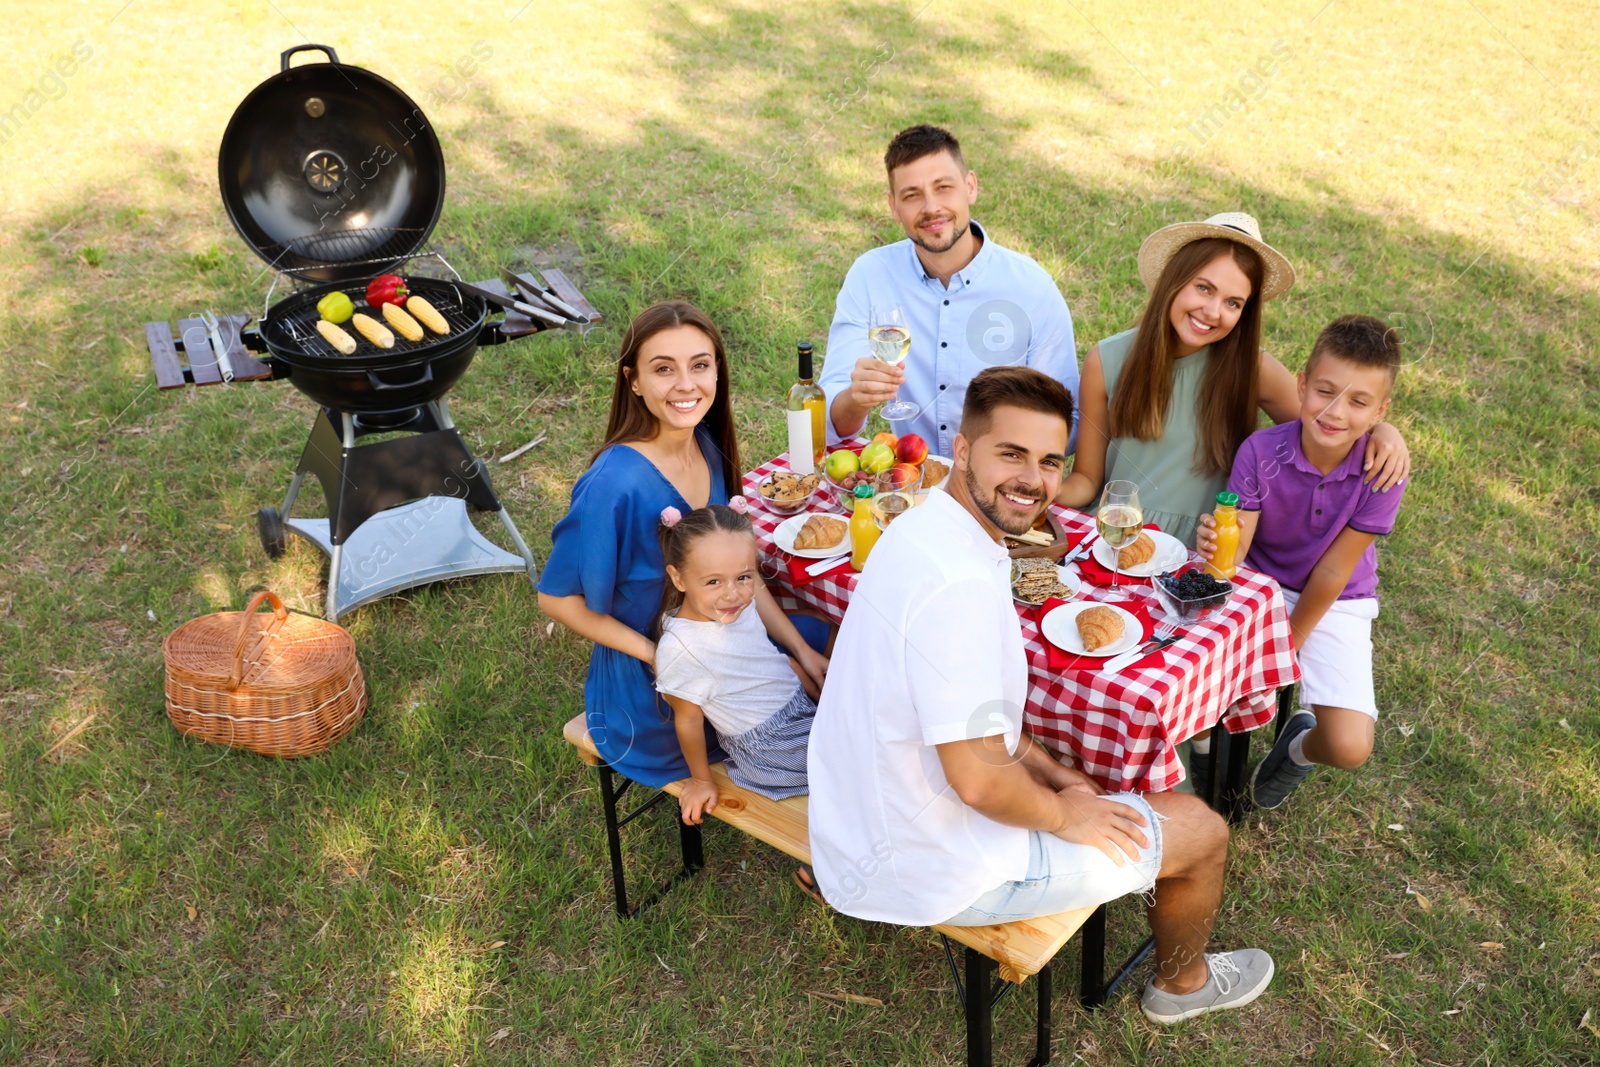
x=1359 y=339
x=1020 y=387
x=679 y=538
x=914 y=142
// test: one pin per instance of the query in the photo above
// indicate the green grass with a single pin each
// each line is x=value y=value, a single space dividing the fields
x=433 y=891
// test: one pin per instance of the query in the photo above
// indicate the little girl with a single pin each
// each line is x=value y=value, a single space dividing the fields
x=714 y=660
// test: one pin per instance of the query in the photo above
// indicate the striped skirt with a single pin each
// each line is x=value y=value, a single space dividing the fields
x=770 y=759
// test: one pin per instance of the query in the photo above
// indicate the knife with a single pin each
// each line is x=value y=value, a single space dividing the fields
x=825 y=565
x=515 y=305
x=1083 y=548
x=1117 y=663
x=555 y=301
x=218 y=349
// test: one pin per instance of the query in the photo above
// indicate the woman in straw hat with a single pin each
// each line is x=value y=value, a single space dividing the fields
x=1166 y=404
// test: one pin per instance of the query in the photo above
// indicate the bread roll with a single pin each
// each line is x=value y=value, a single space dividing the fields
x=820 y=531
x=1139 y=551
x=1098 y=627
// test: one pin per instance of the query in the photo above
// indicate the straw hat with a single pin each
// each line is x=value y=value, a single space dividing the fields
x=1160 y=246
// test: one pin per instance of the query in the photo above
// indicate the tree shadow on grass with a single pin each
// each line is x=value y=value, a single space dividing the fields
x=754 y=214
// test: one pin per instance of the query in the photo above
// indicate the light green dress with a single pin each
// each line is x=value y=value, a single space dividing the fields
x=1173 y=494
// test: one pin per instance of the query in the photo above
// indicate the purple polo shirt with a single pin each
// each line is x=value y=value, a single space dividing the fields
x=1303 y=510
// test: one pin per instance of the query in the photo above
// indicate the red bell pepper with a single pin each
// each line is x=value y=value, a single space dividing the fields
x=387 y=289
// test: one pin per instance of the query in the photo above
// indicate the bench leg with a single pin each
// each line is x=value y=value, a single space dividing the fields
x=1041 y=1044
x=608 y=800
x=690 y=845
x=1094 y=989
x=979 y=1009
x=979 y=996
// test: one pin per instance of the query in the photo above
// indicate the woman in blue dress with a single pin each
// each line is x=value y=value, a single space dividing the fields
x=669 y=443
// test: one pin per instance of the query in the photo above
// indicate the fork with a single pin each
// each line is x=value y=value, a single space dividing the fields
x=1166 y=633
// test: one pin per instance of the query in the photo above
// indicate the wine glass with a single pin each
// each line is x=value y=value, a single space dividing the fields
x=1119 y=518
x=889 y=339
x=892 y=499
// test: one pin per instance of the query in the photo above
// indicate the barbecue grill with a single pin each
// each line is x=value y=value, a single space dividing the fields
x=332 y=175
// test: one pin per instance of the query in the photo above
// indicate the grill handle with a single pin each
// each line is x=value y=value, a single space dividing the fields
x=381 y=386
x=333 y=56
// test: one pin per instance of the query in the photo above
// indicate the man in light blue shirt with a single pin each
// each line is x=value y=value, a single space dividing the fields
x=969 y=302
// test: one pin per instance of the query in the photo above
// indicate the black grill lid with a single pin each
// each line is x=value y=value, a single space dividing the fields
x=330 y=171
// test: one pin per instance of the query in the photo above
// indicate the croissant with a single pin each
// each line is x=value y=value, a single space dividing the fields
x=1139 y=551
x=1098 y=626
x=820 y=531
x=933 y=472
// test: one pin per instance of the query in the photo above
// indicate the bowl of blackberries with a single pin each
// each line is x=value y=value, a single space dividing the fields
x=1191 y=594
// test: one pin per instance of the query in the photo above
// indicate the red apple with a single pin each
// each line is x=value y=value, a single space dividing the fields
x=912 y=449
x=906 y=474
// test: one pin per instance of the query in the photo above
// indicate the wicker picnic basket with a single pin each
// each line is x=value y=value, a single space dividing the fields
x=283 y=684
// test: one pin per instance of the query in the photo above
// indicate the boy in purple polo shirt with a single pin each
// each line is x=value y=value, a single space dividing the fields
x=1307 y=519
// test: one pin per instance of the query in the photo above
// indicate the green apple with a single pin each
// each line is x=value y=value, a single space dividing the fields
x=841 y=464
x=877 y=457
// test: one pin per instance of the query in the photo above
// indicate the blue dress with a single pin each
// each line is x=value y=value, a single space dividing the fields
x=607 y=550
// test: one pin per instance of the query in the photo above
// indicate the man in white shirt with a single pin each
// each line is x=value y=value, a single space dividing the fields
x=928 y=803
x=968 y=302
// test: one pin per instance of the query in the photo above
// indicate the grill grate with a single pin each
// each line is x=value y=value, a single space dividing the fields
x=292 y=323
x=339 y=247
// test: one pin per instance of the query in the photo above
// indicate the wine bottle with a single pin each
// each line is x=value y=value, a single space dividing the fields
x=805 y=417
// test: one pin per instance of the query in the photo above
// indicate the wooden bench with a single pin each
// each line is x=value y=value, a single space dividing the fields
x=1010 y=951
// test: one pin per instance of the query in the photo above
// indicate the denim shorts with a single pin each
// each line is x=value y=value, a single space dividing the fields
x=1063 y=876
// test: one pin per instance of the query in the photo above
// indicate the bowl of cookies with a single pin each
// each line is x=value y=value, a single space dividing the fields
x=788 y=493
x=1191 y=594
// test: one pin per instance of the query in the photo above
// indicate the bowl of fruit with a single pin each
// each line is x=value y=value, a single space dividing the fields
x=1191 y=594
x=788 y=493
x=846 y=468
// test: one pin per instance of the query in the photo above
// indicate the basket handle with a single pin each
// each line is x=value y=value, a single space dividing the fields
x=279 y=615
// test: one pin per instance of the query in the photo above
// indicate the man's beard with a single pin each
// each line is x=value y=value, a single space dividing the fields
x=990 y=506
x=955 y=236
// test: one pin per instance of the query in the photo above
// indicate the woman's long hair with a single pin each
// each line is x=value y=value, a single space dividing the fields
x=1231 y=390
x=631 y=421
x=678 y=540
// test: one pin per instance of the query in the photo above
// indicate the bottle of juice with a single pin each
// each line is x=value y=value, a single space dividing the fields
x=864 y=530
x=1225 y=560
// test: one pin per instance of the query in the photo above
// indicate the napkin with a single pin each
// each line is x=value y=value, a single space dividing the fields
x=799 y=577
x=1062 y=660
x=1097 y=574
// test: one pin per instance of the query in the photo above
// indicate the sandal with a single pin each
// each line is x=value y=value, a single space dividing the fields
x=806 y=879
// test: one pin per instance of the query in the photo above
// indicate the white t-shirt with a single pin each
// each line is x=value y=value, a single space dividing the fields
x=930 y=652
x=737 y=676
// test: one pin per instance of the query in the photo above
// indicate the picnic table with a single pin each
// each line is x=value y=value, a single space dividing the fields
x=1121 y=730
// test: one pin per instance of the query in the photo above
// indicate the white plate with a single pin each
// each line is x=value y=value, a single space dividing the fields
x=1060 y=628
x=789 y=528
x=1069 y=578
x=1170 y=555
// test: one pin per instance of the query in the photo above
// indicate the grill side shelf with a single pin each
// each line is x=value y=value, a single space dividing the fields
x=168 y=351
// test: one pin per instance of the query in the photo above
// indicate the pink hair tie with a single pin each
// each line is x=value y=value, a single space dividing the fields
x=739 y=504
x=670 y=516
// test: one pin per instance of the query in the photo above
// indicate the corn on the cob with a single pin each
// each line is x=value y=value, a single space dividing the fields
x=373 y=330
x=336 y=336
x=428 y=315
x=403 y=324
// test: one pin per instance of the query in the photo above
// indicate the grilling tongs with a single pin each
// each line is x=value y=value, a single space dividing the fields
x=539 y=292
x=513 y=304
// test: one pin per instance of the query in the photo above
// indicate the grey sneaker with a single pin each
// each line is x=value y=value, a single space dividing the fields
x=1236 y=978
x=1276 y=776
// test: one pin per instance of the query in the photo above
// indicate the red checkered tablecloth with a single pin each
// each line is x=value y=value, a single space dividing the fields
x=1122 y=730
